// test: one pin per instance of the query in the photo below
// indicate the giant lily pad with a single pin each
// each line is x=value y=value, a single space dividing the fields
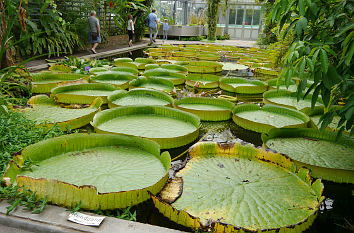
x=203 y=80
x=175 y=77
x=97 y=171
x=202 y=66
x=169 y=127
x=263 y=119
x=82 y=93
x=116 y=78
x=208 y=109
x=126 y=69
x=289 y=99
x=231 y=66
x=327 y=158
x=243 y=86
x=174 y=67
x=44 y=82
x=239 y=188
x=152 y=83
x=46 y=112
x=139 y=96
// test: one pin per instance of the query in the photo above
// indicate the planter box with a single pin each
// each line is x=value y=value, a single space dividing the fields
x=182 y=30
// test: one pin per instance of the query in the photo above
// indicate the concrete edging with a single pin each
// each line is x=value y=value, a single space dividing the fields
x=54 y=219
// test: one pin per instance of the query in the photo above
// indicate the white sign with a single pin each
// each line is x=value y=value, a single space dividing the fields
x=85 y=219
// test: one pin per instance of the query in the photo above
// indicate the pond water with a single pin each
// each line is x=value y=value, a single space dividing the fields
x=337 y=211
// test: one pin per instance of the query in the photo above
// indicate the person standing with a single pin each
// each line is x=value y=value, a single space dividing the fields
x=153 y=26
x=131 y=29
x=94 y=31
x=165 y=28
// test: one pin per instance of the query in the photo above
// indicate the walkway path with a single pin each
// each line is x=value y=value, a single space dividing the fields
x=41 y=64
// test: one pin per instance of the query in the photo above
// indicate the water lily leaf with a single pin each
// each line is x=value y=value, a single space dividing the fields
x=208 y=109
x=83 y=93
x=175 y=77
x=46 y=112
x=169 y=127
x=242 y=85
x=160 y=84
x=289 y=99
x=202 y=66
x=203 y=80
x=231 y=66
x=239 y=188
x=319 y=151
x=44 y=82
x=118 y=79
x=133 y=71
x=139 y=96
x=98 y=171
x=262 y=119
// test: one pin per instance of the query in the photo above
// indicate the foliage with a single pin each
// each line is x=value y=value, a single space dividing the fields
x=80 y=65
x=17 y=196
x=17 y=132
x=212 y=18
x=126 y=213
x=193 y=38
x=15 y=86
x=268 y=34
x=322 y=51
x=224 y=37
x=198 y=19
x=49 y=33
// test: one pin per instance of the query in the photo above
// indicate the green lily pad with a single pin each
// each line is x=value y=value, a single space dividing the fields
x=262 y=119
x=203 y=80
x=202 y=66
x=139 y=96
x=97 y=171
x=319 y=151
x=289 y=99
x=243 y=86
x=44 y=82
x=239 y=188
x=152 y=83
x=208 y=109
x=83 y=93
x=126 y=69
x=46 y=112
x=231 y=66
x=118 y=79
x=175 y=77
x=169 y=127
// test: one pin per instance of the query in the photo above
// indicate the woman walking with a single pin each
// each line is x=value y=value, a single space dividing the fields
x=94 y=31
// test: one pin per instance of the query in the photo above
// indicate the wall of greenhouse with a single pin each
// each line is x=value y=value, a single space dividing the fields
x=241 y=20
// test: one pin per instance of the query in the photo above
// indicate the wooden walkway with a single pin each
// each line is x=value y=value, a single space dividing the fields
x=100 y=55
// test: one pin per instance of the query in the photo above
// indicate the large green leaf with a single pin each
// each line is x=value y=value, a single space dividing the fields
x=262 y=119
x=231 y=66
x=242 y=85
x=208 y=109
x=97 y=171
x=239 y=188
x=116 y=78
x=160 y=84
x=126 y=69
x=327 y=158
x=44 y=82
x=202 y=66
x=83 y=93
x=289 y=99
x=46 y=112
x=139 y=96
x=203 y=80
x=175 y=77
x=169 y=127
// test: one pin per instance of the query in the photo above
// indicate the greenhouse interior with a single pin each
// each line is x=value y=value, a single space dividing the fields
x=171 y=116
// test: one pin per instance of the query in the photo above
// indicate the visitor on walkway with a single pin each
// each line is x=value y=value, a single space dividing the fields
x=131 y=29
x=165 y=28
x=94 y=31
x=153 y=26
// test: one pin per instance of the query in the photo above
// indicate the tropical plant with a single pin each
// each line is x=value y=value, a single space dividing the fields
x=321 y=51
x=212 y=17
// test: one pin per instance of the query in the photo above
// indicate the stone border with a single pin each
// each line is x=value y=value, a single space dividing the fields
x=54 y=219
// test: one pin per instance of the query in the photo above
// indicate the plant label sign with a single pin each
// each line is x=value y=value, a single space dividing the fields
x=85 y=219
